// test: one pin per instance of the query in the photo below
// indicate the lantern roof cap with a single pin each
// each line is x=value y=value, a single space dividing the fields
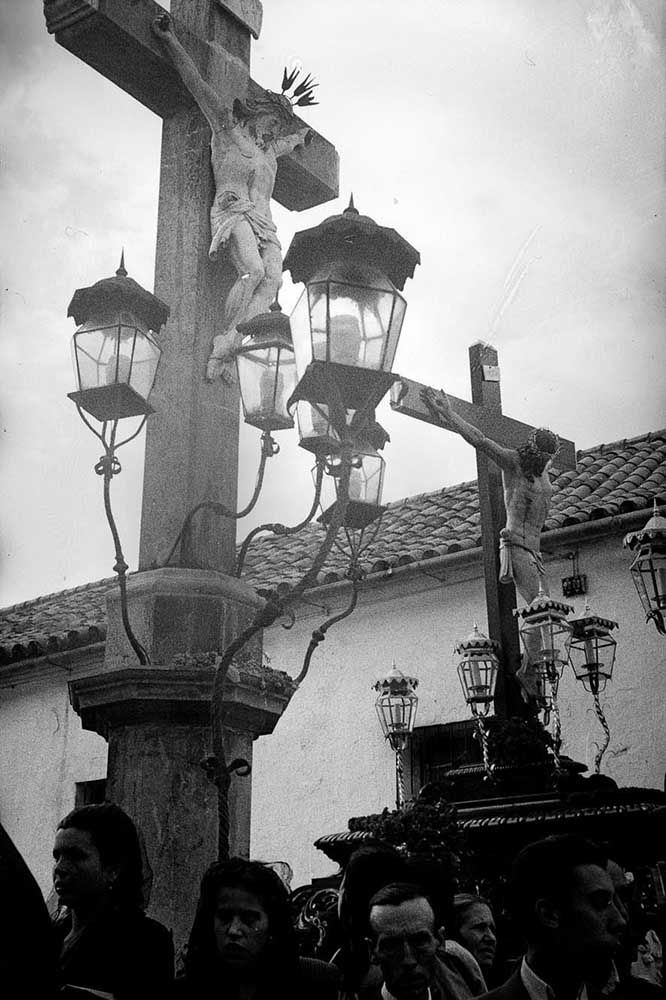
x=654 y=530
x=395 y=682
x=119 y=292
x=542 y=603
x=477 y=642
x=351 y=233
x=590 y=617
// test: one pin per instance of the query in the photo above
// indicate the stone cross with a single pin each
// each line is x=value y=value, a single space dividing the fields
x=485 y=413
x=156 y=719
x=192 y=439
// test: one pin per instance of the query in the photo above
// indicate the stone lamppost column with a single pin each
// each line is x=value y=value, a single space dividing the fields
x=157 y=723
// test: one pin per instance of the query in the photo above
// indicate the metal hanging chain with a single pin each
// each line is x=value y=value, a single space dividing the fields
x=108 y=466
x=281 y=529
x=601 y=750
x=319 y=634
x=268 y=615
x=269 y=448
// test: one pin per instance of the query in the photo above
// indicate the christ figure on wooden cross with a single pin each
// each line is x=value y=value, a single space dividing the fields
x=527 y=493
x=246 y=141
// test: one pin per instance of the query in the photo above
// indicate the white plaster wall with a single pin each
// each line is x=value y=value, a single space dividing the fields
x=44 y=753
x=326 y=760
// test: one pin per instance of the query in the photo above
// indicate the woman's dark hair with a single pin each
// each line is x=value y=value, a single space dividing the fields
x=368 y=870
x=115 y=836
x=201 y=961
x=436 y=880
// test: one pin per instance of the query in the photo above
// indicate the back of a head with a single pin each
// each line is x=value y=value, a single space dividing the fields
x=367 y=871
x=435 y=878
x=546 y=870
x=262 y=882
x=115 y=836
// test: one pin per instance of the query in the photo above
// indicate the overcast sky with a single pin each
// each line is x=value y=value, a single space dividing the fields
x=517 y=144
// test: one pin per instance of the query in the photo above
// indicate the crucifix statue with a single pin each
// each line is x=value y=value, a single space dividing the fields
x=246 y=141
x=513 y=463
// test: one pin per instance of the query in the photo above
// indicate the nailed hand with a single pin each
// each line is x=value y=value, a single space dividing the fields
x=438 y=404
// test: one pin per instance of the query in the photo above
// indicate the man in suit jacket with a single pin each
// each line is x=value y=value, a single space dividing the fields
x=563 y=900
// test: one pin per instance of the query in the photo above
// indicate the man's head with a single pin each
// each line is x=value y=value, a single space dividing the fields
x=403 y=939
x=563 y=899
x=628 y=905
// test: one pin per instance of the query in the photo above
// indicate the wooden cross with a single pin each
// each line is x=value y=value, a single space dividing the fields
x=192 y=439
x=485 y=413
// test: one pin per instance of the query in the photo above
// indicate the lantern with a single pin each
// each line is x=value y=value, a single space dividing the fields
x=478 y=667
x=592 y=650
x=545 y=633
x=114 y=348
x=649 y=567
x=396 y=707
x=396 y=710
x=366 y=480
x=347 y=323
x=266 y=370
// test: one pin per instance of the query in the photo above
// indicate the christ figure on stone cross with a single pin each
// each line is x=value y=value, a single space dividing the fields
x=527 y=493
x=246 y=141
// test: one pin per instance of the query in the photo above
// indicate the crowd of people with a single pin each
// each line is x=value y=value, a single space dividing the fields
x=402 y=932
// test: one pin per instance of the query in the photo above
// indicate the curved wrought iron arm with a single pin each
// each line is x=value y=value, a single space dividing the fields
x=269 y=448
x=281 y=529
x=108 y=466
x=267 y=616
x=319 y=634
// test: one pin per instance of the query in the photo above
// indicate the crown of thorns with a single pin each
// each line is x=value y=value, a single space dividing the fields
x=302 y=95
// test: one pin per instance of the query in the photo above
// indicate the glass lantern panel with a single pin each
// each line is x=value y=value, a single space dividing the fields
x=138 y=358
x=546 y=640
x=299 y=322
x=395 y=328
x=317 y=293
x=315 y=429
x=654 y=570
x=359 y=324
x=96 y=356
x=267 y=377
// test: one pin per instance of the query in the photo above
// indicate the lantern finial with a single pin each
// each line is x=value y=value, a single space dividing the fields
x=351 y=208
x=121 y=272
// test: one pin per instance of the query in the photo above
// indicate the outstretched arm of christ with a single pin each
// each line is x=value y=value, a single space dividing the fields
x=440 y=407
x=216 y=113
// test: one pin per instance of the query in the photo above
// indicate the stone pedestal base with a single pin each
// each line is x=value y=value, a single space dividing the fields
x=156 y=720
x=177 y=611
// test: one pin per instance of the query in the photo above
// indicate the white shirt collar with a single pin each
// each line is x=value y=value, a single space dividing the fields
x=387 y=995
x=538 y=989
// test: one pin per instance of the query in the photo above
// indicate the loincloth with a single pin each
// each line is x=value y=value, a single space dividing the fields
x=508 y=542
x=227 y=209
